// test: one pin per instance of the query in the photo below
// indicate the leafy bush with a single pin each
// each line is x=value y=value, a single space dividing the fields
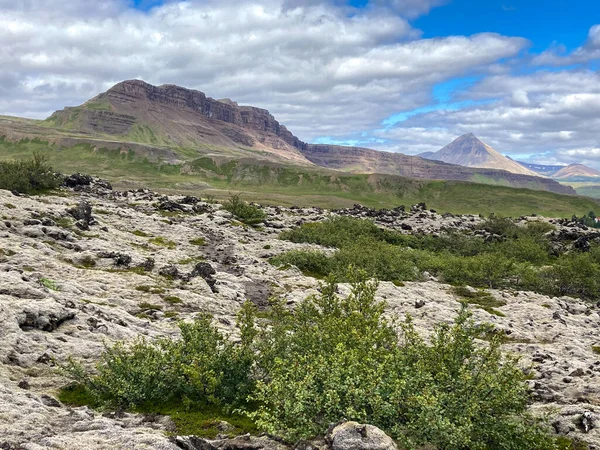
x=202 y=367
x=336 y=357
x=29 y=176
x=244 y=212
x=310 y=262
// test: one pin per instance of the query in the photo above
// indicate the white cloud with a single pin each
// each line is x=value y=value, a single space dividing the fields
x=319 y=69
x=559 y=120
x=558 y=56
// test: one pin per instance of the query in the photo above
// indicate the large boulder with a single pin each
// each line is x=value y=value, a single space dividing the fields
x=356 y=436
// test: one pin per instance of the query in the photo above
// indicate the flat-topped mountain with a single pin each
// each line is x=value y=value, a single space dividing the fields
x=467 y=150
x=174 y=116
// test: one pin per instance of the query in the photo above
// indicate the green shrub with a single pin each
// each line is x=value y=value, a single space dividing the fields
x=201 y=368
x=336 y=357
x=244 y=212
x=29 y=176
x=311 y=262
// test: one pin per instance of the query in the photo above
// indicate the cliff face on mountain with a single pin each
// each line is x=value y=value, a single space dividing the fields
x=174 y=116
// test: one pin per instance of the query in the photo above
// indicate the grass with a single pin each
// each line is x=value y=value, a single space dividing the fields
x=9 y=206
x=201 y=421
x=146 y=305
x=596 y=349
x=49 y=284
x=140 y=233
x=271 y=184
x=198 y=241
x=150 y=289
x=172 y=300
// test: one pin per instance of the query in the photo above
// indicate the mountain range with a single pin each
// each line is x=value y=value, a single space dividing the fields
x=177 y=125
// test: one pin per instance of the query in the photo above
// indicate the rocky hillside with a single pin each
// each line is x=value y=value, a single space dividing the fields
x=93 y=266
x=364 y=160
x=467 y=150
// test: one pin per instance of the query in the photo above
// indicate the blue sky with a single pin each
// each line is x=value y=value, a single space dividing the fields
x=397 y=75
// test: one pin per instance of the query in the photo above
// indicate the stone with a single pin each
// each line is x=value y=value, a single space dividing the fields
x=356 y=436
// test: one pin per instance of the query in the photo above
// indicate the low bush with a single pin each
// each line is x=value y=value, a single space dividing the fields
x=29 y=176
x=523 y=259
x=244 y=212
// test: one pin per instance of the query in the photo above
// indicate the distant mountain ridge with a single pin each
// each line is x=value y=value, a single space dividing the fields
x=177 y=124
x=576 y=170
x=562 y=172
x=469 y=151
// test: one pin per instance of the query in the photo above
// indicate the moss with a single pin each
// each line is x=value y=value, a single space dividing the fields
x=9 y=206
x=146 y=305
x=49 y=284
x=596 y=349
x=398 y=283
x=76 y=395
x=195 y=420
x=172 y=300
x=162 y=242
x=198 y=241
x=140 y=233
x=170 y=314
x=481 y=299
x=150 y=289
x=204 y=421
x=267 y=247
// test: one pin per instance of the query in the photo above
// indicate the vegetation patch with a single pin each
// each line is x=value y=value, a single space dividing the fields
x=172 y=300
x=140 y=233
x=145 y=305
x=480 y=298
x=29 y=176
x=519 y=257
x=49 y=284
x=150 y=289
x=596 y=349
x=198 y=241
x=243 y=211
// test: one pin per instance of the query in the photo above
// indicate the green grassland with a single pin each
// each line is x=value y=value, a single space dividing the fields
x=290 y=185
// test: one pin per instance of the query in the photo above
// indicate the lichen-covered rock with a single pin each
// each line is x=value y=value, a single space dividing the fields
x=356 y=436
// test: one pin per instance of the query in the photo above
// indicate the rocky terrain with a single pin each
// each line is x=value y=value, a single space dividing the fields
x=92 y=266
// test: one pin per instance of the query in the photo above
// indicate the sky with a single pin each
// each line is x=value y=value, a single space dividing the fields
x=397 y=75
